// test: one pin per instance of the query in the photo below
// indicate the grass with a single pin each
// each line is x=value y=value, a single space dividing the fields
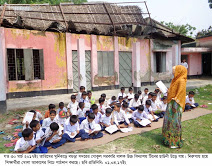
x=197 y=133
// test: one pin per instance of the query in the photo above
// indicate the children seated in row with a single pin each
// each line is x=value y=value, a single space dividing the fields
x=190 y=103
x=135 y=102
x=130 y=95
x=122 y=93
x=106 y=119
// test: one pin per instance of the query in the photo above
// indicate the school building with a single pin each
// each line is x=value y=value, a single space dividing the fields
x=199 y=56
x=46 y=50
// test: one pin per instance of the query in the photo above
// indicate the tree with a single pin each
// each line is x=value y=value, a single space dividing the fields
x=210 y=3
x=205 y=32
x=186 y=29
x=52 y=2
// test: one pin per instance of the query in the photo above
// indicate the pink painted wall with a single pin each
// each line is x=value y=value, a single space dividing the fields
x=53 y=45
x=204 y=42
x=194 y=63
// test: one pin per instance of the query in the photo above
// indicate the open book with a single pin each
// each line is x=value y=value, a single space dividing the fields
x=144 y=122
x=162 y=87
x=71 y=136
x=113 y=128
x=28 y=117
x=96 y=128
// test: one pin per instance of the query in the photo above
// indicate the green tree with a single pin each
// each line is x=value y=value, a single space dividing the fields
x=186 y=29
x=210 y=3
x=205 y=32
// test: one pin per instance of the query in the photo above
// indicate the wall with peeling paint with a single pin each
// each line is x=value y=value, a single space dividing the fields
x=53 y=45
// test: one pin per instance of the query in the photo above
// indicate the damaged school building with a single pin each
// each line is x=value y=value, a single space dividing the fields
x=46 y=50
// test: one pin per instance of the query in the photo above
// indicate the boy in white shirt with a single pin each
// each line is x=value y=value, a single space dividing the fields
x=190 y=103
x=37 y=116
x=72 y=129
x=145 y=92
x=112 y=101
x=149 y=112
x=81 y=112
x=62 y=108
x=122 y=93
x=130 y=94
x=106 y=119
x=101 y=106
x=79 y=95
x=134 y=103
x=92 y=130
x=106 y=105
x=120 y=117
x=140 y=115
x=162 y=107
x=72 y=106
x=148 y=97
x=47 y=122
x=158 y=93
x=154 y=103
x=140 y=95
x=85 y=100
x=54 y=136
x=26 y=144
x=97 y=113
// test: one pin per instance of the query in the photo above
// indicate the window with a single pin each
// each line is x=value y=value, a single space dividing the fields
x=105 y=63
x=25 y=64
x=160 y=62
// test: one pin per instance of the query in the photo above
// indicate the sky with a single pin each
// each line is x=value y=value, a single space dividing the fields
x=194 y=12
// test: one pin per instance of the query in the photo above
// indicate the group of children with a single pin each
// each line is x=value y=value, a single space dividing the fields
x=83 y=119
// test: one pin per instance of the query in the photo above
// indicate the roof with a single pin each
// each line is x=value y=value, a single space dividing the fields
x=101 y=18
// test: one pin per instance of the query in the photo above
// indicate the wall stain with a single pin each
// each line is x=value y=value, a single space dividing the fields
x=104 y=81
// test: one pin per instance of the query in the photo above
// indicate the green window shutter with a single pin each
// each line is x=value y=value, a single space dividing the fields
x=111 y=63
x=100 y=65
x=28 y=64
x=41 y=65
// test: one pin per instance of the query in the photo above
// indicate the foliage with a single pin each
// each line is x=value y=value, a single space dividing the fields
x=205 y=32
x=52 y=2
x=186 y=29
x=210 y=3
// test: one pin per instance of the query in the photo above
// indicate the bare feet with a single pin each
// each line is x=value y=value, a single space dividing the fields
x=49 y=147
x=148 y=125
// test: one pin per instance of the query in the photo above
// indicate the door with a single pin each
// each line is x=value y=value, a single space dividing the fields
x=75 y=70
x=125 y=69
x=206 y=64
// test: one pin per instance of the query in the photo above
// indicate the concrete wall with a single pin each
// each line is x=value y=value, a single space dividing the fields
x=204 y=42
x=194 y=63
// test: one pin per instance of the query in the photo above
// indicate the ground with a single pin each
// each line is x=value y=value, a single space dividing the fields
x=197 y=133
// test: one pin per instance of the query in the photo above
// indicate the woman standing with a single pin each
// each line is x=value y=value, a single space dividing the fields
x=171 y=131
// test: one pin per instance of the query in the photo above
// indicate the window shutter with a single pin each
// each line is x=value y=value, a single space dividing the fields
x=111 y=63
x=28 y=64
x=105 y=64
x=100 y=65
x=41 y=64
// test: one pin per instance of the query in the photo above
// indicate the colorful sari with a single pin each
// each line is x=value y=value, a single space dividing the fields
x=172 y=131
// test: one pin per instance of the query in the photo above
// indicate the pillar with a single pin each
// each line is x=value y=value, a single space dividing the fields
x=116 y=61
x=136 y=66
x=94 y=62
x=81 y=62
x=3 y=82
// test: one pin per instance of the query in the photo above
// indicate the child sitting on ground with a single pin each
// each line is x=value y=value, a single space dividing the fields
x=79 y=94
x=121 y=100
x=122 y=93
x=154 y=103
x=72 y=130
x=92 y=130
x=62 y=108
x=112 y=101
x=162 y=107
x=190 y=103
x=103 y=95
x=120 y=117
x=130 y=94
x=38 y=133
x=134 y=103
x=37 y=116
x=54 y=136
x=128 y=112
x=90 y=98
x=72 y=106
x=149 y=112
x=85 y=100
x=106 y=119
x=140 y=95
x=158 y=94
x=81 y=112
x=47 y=113
x=148 y=97
x=140 y=115
x=101 y=106
x=26 y=144
x=97 y=113
x=145 y=92
x=47 y=122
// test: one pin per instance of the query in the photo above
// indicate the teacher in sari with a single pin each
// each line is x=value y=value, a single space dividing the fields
x=172 y=131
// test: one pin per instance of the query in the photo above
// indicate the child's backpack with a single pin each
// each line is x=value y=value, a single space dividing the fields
x=62 y=114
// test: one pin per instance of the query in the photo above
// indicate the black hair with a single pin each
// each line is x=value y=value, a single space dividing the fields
x=54 y=126
x=122 y=88
x=91 y=115
x=164 y=98
x=51 y=106
x=136 y=96
x=108 y=111
x=139 y=92
x=191 y=93
x=94 y=107
x=125 y=105
x=118 y=105
x=61 y=104
x=157 y=90
x=52 y=112
x=84 y=93
x=146 y=89
x=81 y=104
x=33 y=111
x=150 y=93
x=130 y=88
x=148 y=102
x=153 y=94
x=113 y=97
x=101 y=100
x=73 y=119
x=82 y=87
x=103 y=95
x=73 y=96
x=88 y=92
x=26 y=132
x=33 y=123
x=121 y=98
x=140 y=108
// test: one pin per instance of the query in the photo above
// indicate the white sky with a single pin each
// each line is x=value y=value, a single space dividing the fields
x=194 y=12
